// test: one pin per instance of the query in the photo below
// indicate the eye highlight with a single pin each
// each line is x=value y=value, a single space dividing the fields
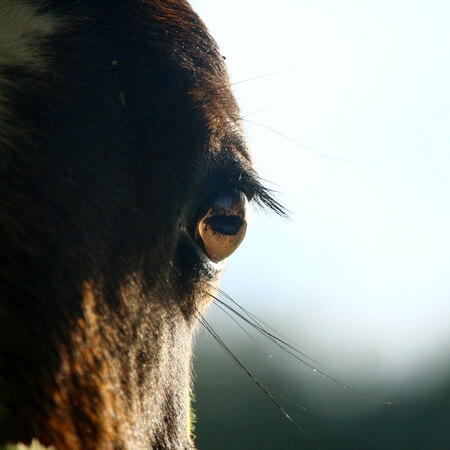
x=221 y=229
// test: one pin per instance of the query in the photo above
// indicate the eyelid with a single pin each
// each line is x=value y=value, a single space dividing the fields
x=246 y=181
x=228 y=187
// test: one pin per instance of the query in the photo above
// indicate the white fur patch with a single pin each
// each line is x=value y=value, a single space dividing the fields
x=22 y=31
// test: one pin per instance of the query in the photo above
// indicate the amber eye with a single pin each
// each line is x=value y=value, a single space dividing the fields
x=223 y=226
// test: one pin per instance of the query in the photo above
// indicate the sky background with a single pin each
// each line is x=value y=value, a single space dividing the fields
x=346 y=107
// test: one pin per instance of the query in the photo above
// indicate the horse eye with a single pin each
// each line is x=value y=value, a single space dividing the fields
x=221 y=229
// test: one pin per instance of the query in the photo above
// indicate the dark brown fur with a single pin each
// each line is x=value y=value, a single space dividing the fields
x=110 y=149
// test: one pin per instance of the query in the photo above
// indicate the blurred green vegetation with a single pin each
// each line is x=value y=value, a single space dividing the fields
x=233 y=413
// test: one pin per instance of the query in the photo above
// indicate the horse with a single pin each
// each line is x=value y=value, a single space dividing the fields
x=125 y=180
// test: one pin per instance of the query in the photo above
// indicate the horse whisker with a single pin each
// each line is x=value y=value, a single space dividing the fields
x=233 y=357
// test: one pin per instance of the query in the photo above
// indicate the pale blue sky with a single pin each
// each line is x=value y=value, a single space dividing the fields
x=360 y=276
